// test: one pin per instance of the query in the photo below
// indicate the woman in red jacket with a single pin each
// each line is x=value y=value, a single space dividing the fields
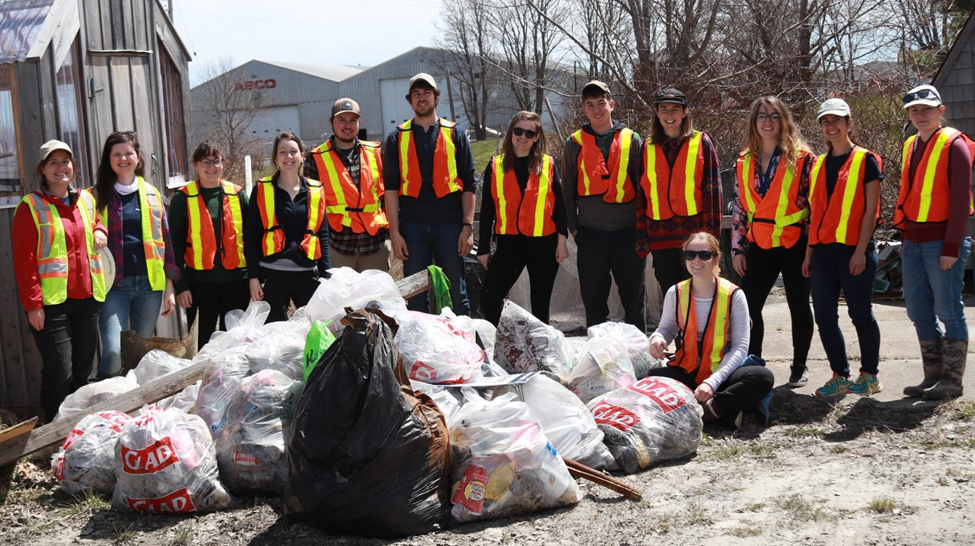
x=56 y=236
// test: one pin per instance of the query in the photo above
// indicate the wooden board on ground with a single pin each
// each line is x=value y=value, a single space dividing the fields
x=17 y=446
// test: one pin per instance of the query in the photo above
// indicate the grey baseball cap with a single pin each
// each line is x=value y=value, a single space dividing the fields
x=425 y=78
x=833 y=107
x=51 y=146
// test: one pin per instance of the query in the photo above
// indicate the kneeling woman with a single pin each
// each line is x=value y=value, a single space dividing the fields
x=713 y=313
x=522 y=205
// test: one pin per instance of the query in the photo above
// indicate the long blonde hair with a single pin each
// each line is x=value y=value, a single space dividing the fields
x=790 y=139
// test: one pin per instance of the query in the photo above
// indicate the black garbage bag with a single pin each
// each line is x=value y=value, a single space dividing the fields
x=366 y=455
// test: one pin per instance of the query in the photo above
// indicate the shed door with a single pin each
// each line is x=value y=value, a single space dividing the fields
x=269 y=122
x=394 y=106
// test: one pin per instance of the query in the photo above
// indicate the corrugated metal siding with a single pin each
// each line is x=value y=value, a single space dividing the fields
x=315 y=126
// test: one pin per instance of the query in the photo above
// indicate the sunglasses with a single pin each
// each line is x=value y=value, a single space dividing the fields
x=518 y=131
x=705 y=255
x=763 y=117
x=921 y=94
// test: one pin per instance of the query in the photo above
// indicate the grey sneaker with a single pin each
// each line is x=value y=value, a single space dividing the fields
x=798 y=378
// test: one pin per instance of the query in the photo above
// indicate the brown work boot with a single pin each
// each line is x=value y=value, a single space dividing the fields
x=955 y=359
x=932 y=356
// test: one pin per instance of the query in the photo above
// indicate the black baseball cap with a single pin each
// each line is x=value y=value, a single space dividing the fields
x=671 y=95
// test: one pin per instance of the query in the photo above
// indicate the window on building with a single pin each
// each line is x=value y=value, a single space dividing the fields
x=70 y=118
x=9 y=164
x=172 y=85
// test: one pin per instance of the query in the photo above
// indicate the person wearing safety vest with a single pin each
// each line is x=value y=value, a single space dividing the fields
x=932 y=212
x=430 y=194
x=286 y=239
x=134 y=213
x=350 y=171
x=770 y=223
x=521 y=205
x=680 y=190
x=844 y=201
x=706 y=317
x=206 y=220
x=56 y=236
x=600 y=173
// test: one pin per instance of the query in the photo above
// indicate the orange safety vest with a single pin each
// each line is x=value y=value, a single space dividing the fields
x=702 y=358
x=595 y=176
x=774 y=220
x=926 y=198
x=677 y=191
x=527 y=214
x=837 y=218
x=445 y=177
x=366 y=212
x=272 y=242
x=201 y=240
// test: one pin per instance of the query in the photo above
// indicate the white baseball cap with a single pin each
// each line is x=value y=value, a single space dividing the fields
x=833 y=107
x=923 y=94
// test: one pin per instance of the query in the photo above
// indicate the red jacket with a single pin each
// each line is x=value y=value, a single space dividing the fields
x=25 y=253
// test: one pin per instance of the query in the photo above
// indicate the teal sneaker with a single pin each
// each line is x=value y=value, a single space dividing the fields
x=866 y=384
x=837 y=385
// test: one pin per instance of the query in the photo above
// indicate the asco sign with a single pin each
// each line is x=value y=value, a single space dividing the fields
x=256 y=84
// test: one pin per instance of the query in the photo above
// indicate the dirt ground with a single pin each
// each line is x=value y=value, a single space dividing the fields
x=847 y=470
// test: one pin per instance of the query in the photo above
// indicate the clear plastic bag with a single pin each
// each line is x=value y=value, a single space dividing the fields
x=95 y=393
x=251 y=447
x=86 y=459
x=503 y=464
x=525 y=344
x=156 y=364
x=349 y=288
x=435 y=350
x=637 y=344
x=165 y=462
x=281 y=348
x=221 y=380
x=565 y=420
x=243 y=327
x=184 y=400
x=602 y=365
x=653 y=420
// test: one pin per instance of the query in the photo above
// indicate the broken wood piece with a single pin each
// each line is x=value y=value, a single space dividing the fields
x=579 y=470
x=17 y=430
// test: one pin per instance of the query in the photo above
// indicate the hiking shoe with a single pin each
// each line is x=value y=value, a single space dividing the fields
x=866 y=384
x=798 y=378
x=837 y=385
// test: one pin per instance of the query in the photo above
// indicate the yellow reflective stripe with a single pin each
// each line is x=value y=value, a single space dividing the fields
x=720 y=324
x=685 y=302
x=237 y=218
x=52 y=259
x=95 y=266
x=314 y=201
x=448 y=140
x=405 y=141
x=196 y=236
x=543 y=189
x=339 y=193
x=849 y=192
x=781 y=220
x=651 y=158
x=814 y=178
x=152 y=237
x=927 y=188
x=748 y=182
x=577 y=136
x=498 y=174
x=376 y=179
x=626 y=140
x=267 y=195
x=690 y=171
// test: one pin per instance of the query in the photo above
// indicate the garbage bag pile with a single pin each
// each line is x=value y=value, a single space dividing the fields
x=86 y=459
x=251 y=445
x=603 y=365
x=653 y=420
x=437 y=350
x=525 y=344
x=503 y=464
x=348 y=288
x=282 y=347
x=636 y=343
x=367 y=455
x=165 y=462
x=95 y=393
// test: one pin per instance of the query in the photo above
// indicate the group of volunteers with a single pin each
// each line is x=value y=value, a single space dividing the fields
x=619 y=197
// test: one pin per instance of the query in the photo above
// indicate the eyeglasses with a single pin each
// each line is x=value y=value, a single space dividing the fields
x=705 y=255
x=211 y=162
x=921 y=94
x=518 y=131
x=763 y=117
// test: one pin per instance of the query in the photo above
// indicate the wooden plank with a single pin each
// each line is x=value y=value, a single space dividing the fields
x=414 y=284
x=144 y=118
x=100 y=103
x=11 y=336
x=118 y=24
x=122 y=94
x=105 y=14
x=142 y=25
x=58 y=31
x=93 y=25
x=129 y=24
x=17 y=430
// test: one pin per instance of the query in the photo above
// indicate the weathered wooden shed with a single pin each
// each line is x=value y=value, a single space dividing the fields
x=77 y=70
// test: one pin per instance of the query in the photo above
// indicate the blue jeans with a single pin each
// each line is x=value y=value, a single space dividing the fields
x=129 y=305
x=436 y=244
x=830 y=272
x=932 y=294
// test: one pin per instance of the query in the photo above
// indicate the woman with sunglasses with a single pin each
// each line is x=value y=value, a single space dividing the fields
x=707 y=317
x=770 y=221
x=56 y=237
x=521 y=205
x=206 y=220
x=844 y=200
x=138 y=236
x=287 y=235
x=932 y=211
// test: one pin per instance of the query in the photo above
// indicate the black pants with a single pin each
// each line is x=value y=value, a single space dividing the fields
x=513 y=255
x=763 y=268
x=67 y=345
x=212 y=300
x=742 y=390
x=596 y=260
x=283 y=287
x=669 y=268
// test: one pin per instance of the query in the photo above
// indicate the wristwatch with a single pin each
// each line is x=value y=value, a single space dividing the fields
x=468 y=224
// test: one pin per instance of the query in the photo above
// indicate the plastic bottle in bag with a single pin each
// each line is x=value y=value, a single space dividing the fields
x=86 y=459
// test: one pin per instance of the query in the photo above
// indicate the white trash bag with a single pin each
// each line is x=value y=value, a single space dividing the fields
x=86 y=459
x=525 y=344
x=602 y=365
x=282 y=348
x=165 y=462
x=95 y=393
x=157 y=363
x=243 y=327
x=436 y=350
x=503 y=464
x=349 y=288
x=653 y=420
x=637 y=344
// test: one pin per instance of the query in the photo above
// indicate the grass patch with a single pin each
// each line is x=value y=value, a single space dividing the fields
x=839 y=449
x=882 y=505
x=747 y=529
x=754 y=507
x=804 y=510
x=697 y=514
x=962 y=411
x=803 y=432
x=966 y=443
x=483 y=150
x=123 y=533
x=183 y=536
x=736 y=450
x=84 y=504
